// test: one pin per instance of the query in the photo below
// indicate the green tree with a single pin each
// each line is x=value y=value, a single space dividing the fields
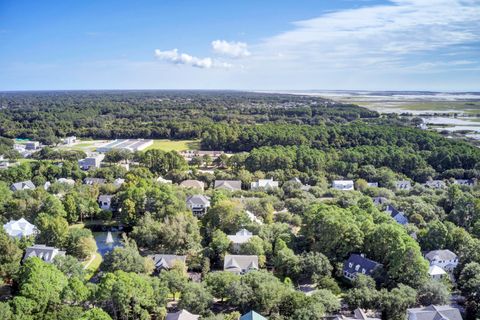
x=10 y=256
x=219 y=283
x=196 y=298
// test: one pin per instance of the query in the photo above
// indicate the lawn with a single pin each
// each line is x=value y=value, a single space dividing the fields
x=93 y=266
x=177 y=145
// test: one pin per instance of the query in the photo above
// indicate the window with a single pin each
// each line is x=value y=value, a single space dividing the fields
x=350 y=265
x=363 y=270
x=357 y=267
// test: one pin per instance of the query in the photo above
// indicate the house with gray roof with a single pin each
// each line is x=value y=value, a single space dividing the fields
x=199 y=204
x=372 y=184
x=357 y=263
x=465 y=182
x=20 y=228
x=167 y=261
x=229 y=185
x=105 y=201
x=445 y=259
x=343 y=185
x=43 y=252
x=94 y=161
x=240 y=264
x=397 y=215
x=435 y=184
x=23 y=185
x=433 y=312
x=182 y=315
x=264 y=184
x=358 y=314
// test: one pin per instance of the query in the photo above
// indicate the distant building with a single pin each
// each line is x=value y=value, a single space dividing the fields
x=70 y=182
x=190 y=154
x=91 y=162
x=344 y=185
x=252 y=315
x=240 y=264
x=403 y=185
x=105 y=202
x=264 y=184
x=193 y=184
x=131 y=145
x=465 y=182
x=435 y=184
x=445 y=259
x=373 y=184
x=43 y=252
x=397 y=215
x=94 y=181
x=70 y=140
x=229 y=185
x=167 y=261
x=118 y=182
x=358 y=314
x=240 y=238
x=162 y=180
x=23 y=185
x=433 y=312
x=199 y=204
x=32 y=145
x=20 y=228
x=357 y=263
x=436 y=273
x=379 y=200
x=182 y=315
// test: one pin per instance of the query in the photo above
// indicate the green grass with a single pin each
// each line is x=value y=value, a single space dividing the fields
x=26 y=160
x=177 y=145
x=454 y=106
x=93 y=267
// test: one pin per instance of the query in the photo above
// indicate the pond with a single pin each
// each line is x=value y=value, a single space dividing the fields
x=105 y=246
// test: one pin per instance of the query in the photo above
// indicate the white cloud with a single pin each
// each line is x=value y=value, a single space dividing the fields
x=173 y=56
x=231 y=49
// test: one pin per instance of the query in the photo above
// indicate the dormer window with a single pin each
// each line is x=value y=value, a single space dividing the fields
x=357 y=267
x=363 y=270
x=350 y=265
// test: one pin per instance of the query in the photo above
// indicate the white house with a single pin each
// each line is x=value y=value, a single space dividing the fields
x=445 y=259
x=434 y=312
x=23 y=185
x=32 y=145
x=403 y=185
x=162 y=180
x=182 y=315
x=240 y=238
x=436 y=273
x=93 y=161
x=19 y=228
x=264 y=184
x=70 y=140
x=43 y=252
x=344 y=185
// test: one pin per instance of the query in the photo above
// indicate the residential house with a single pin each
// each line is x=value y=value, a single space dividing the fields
x=435 y=184
x=357 y=263
x=253 y=217
x=19 y=228
x=43 y=252
x=358 y=314
x=47 y=185
x=70 y=182
x=70 y=140
x=343 y=185
x=23 y=185
x=193 y=184
x=32 y=145
x=379 y=200
x=239 y=238
x=162 y=180
x=252 y=315
x=93 y=161
x=105 y=201
x=445 y=259
x=240 y=264
x=397 y=215
x=465 y=182
x=199 y=204
x=373 y=184
x=167 y=261
x=436 y=273
x=403 y=185
x=264 y=184
x=433 y=312
x=93 y=181
x=229 y=185
x=182 y=315
x=190 y=154
x=118 y=182
x=304 y=187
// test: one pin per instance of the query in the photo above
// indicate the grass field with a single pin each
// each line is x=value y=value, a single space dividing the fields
x=93 y=266
x=177 y=145
x=453 y=106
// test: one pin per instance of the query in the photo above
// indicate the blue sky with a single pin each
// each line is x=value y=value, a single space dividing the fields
x=248 y=44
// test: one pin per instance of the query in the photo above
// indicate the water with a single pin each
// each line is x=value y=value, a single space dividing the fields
x=105 y=246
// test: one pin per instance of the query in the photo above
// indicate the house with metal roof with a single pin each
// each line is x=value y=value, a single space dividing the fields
x=20 y=228
x=252 y=315
x=445 y=259
x=397 y=215
x=264 y=184
x=240 y=264
x=43 y=252
x=240 y=238
x=359 y=264
x=433 y=312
